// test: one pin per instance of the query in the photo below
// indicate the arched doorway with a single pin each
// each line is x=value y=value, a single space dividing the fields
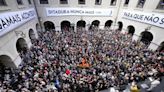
x=32 y=34
x=65 y=25
x=161 y=47
x=6 y=61
x=131 y=29
x=21 y=45
x=95 y=23
x=146 y=37
x=81 y=24
x=48 y=25
x=120 y=25
x=108 y=23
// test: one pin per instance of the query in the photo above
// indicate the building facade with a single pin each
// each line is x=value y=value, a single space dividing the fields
x=18 y=25
x=143 y=19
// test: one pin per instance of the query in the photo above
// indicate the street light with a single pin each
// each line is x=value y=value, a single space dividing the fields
x=118 y=10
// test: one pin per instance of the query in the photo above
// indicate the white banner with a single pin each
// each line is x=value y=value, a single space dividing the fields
x=11 y=20
x=78 y=12
x=150 y=18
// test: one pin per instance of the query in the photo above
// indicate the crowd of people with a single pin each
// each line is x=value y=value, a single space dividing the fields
x=52 y=63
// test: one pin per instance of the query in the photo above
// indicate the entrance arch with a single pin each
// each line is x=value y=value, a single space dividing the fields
x=32 y=34
x=81 y=23
x=161 y=47
x=120 y=25
x=146 y=37
x=108 y=23
x=95 y=23
x=6 y=61
x=21 y=45
x=65 y=25
x=131 y=29
x=48 y=25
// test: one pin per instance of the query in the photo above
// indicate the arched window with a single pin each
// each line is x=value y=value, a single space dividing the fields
x=5 y=60
x=21 y=45
x=108 y=23
x=120 y=25
x=131 y=29
x=146 y=37
x=65 y=25
x=48 y=25
x=81 y=23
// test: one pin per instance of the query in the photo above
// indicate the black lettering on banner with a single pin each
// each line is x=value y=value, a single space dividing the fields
x=128 y=14
x=110 y=13
x=131 y=15
x=151 y=18
x=0 y=26
x=27 y=15
x=49 y=11
x=135 y=16
x=141 y=17
x=155 y=19
x=67 y=11
x=162 y=21
x=146 y=18
x=18 y=18
x=56 y=11
x=64 y=11
x=14 y=20
x=71 y=11
x=125 y=14
x=82 y=11
x=4 y=24
x=9 y=20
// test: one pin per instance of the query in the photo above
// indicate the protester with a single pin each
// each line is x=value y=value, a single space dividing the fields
x=52 y=63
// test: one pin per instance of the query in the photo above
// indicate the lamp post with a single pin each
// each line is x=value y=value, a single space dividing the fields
x=73 y=26
x=39 y=18
x=118 y=10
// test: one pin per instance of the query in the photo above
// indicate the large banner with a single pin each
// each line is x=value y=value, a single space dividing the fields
x=78 y=12
x=150 y=18
x=11 y=20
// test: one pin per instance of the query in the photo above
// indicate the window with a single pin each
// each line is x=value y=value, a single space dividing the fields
x=113 y=2
x=161 y=5
x=20 y=2
x=141 y=3
x=43 y=1
x=81 y=1
x=29 y=1
x=98 y=2
x=63 y=1
x=2 y=3
x=126 y=3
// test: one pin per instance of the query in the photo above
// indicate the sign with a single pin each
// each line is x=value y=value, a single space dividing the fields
x=149 y=18
x=11 y=20
x=78 y=12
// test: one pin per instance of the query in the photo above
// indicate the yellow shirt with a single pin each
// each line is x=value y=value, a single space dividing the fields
x=134 y=89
